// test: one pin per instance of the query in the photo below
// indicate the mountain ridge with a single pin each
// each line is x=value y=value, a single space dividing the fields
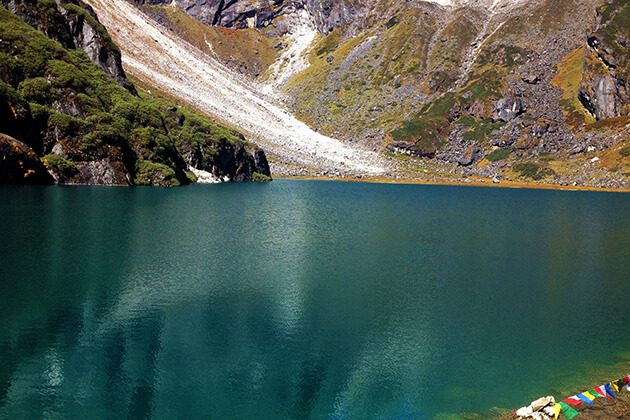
x=494 y=89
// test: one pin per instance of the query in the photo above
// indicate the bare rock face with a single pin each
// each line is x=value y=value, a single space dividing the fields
x=604 y=86
x=231 y=14
x=236 y=163
x=239 y=14
x=598 y=94
x=508 y=109
x=19 y=164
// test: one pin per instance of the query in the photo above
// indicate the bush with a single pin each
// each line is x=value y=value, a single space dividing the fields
x=60 y=165
x=151 y=173
x=533 y=171
x=36 y=89
x=500 y=154
x=256 y=177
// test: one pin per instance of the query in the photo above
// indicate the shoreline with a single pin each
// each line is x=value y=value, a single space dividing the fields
x=480 y=182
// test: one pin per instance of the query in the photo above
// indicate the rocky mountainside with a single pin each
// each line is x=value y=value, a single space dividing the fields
x=506 y=89
x=68 y=113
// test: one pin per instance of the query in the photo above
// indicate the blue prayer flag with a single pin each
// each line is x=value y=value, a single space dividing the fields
x=584 y=398
x=610 y=391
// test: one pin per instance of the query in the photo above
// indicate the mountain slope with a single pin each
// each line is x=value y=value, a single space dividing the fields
x=61 y=107
x=521 y=90
x=182 y=70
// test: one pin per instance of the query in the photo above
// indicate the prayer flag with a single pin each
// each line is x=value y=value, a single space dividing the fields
x=590 y=395
x=568 y=411
x=556 y=410
x=574 y=401
x=597 y=393
x=615 y=385
x=585 y=399
x=609 y=391
x=626 y=379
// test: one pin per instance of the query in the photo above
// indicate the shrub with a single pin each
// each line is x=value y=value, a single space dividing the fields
x=36 y=89
x=60 y=165
x=500 y=154
x=152 y=173
x=533 y=171
x=256 y=177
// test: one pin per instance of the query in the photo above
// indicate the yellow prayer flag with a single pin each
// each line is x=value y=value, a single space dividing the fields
x=589 y=395
x=556 y=410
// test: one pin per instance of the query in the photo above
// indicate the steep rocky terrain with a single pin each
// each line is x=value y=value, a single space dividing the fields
x=522 y=90
x=187 y=72
x=74 y=117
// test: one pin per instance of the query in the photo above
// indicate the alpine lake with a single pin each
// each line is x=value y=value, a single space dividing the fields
x=307 y=299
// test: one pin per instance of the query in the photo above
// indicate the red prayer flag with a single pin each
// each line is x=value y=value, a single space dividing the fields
x=574 y=401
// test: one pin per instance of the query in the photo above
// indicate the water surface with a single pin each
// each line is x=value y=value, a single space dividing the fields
x=302 y=299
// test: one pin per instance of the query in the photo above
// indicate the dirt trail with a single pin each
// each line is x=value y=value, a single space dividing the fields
x=152 y=53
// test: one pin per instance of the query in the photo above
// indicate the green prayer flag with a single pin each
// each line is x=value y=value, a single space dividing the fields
x=568 y=411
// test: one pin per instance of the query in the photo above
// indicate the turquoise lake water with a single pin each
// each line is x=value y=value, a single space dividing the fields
x=303 y=299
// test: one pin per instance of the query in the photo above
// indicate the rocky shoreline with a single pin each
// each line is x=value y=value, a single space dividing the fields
x=602 y=408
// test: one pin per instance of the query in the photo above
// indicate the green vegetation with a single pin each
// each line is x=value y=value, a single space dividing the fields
x=625 y=151
x=428 y=130
x=61 y=165
x=500 y=154
x=533 y=170
x=615 y=18
x=329 y=43
x=256 y=177
x=151 y=173
x=60 y=96
x=478 y=130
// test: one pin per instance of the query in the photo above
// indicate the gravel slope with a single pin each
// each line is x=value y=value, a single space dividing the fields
x=153 y=54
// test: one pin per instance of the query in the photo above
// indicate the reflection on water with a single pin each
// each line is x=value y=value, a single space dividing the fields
x=304 y=299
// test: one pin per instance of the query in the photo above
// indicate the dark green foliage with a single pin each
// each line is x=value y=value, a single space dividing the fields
x=393 y=21
x=500 y=154
x=36 y=90
x=502 y=55
x=428 y=130
x=151 y=173
x=533 y=170
x=61 y=165
x=62 y=97
x=485 y=87
x=256 y=177
x=328 y=44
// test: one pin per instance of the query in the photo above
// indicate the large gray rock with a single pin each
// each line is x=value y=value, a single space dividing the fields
x=508 y=109
x=599 y=96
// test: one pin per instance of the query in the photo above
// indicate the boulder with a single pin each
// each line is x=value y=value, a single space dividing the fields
x=507 y=109
x=543 y=402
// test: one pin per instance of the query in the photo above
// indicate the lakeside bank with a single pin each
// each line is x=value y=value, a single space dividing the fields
x=478 y=182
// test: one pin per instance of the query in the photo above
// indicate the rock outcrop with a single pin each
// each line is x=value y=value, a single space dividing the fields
x=327 y=14
x=604 y=88
x=73 y=24
x=19 y=164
